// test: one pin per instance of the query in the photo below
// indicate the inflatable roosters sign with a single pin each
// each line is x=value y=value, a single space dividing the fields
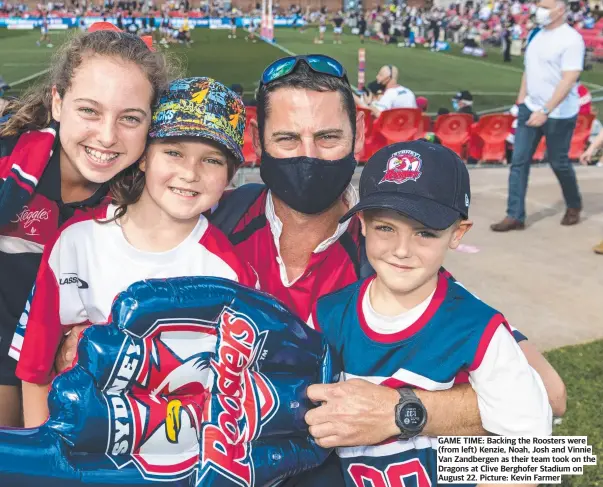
x=195 y=382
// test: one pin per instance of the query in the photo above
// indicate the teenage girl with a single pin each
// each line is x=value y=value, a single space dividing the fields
x=64 y=141
x=154 y=228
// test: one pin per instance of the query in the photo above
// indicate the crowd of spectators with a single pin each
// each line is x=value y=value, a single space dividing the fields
x=471 y=23
x=476 y=23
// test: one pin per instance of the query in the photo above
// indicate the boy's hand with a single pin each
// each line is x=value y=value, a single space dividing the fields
x=352 y=413
x=68 y=349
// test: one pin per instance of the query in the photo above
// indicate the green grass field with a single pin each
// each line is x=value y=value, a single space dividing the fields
x=436 y=75
x=581 y=368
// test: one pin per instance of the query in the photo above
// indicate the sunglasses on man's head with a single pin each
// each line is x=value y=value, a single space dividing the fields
x=316 y=62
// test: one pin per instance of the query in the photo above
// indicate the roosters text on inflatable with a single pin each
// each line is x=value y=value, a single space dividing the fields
x=194 y=382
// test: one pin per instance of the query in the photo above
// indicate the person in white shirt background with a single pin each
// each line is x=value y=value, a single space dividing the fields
x=394 y=95
x=548 y=106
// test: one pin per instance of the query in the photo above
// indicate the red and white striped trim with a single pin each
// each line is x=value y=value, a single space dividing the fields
x=15 y=347
x=33 y=180
x=385 y=449
x=16 y=245
x=403 y=378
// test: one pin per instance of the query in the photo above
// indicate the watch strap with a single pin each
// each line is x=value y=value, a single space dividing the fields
x=408 y=397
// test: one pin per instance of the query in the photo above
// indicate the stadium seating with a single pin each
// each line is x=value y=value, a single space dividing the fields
x=493 y=130
x=453 y=130
x=399 y=124
x=456 y=131
x=424 y=127
x=540 y=151
x=579 y=139
x=581 y=135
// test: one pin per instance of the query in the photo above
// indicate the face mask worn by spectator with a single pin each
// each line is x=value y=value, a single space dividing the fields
x=543 y=16
x=307 y=184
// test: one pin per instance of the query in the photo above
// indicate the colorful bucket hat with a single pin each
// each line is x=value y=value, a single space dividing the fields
x=201 y=107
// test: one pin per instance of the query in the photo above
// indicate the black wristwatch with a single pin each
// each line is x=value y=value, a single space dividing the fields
x=410 y=414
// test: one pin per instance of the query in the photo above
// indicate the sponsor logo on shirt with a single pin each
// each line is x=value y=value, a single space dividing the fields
x=73 y=279
x=28 y=218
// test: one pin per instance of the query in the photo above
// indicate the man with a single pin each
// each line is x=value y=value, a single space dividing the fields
x=394 y=95
x=306 y=134
x=385 y=29
x=435 y=23
x=337 y=27
x=362 y=26
x=548 y=105
x=233 y=25
x=463 y=103
x=322 y=27
x=45 y=37
x=507 y=37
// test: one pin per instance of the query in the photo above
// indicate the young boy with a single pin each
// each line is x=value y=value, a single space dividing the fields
x=409 y=326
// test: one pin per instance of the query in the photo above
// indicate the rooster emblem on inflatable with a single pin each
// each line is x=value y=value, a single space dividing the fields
x=196 y=381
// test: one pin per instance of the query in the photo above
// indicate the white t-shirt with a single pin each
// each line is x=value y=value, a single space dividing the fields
x=89 y=264
x=504 y=368
x=549 y=54
x=396 y=97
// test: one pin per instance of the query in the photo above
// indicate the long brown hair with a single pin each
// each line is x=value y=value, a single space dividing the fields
x=33 y=111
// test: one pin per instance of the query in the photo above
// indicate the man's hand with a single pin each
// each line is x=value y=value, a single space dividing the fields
x=352 y=413
x=68 y=349
x=537 y=119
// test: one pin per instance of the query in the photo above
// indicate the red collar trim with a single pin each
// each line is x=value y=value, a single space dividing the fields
x=436 y=301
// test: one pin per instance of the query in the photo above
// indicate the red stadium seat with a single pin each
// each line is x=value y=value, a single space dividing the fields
x=493 y=130
x=540 y=151
x=579 y=139
x=399 y=124
x=453 y=130
x=581 y=135
x=248 y=150
x=424 y=127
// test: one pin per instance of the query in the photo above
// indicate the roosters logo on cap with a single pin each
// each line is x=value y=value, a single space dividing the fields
x=402 y=166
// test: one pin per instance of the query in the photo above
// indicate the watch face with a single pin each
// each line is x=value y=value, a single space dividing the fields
x=412 y=417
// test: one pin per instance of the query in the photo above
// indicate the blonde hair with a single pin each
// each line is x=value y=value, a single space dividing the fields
x=33 y=111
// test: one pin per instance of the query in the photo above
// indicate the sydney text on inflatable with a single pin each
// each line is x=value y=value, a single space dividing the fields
x=196 y=381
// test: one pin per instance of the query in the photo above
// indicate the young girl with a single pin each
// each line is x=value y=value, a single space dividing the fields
x=155 y=230
x=100 y=88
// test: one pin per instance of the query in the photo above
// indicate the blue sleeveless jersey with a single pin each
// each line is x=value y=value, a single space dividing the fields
x=437 y=351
